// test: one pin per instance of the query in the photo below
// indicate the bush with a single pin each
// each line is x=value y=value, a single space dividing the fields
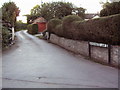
x=59 y=30
x=20 y=26
x=68 y=26
x=52 y=25
x=29 y=27
x=102 y=30
x=5 y=37
x=32 y=29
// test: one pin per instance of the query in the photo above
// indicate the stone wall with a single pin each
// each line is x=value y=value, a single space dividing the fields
x=79 y=47
x=99 y=53
x=115 y=55
x=82 y=47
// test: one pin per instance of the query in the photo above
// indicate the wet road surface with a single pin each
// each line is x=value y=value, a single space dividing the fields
x=35 y=63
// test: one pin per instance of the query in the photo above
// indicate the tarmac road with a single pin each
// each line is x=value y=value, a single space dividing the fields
x=35 y=63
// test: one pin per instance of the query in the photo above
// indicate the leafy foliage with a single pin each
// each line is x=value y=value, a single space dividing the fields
x=52 y=24
x=55 y=10
x=32 y=29
x=36 y=10
x=68 y=25
x=80 y=12
x=59 y=30
x=110 y=9
x=5 y=37
x=9 y=12
x=47 y=11
x=20 y=25
x=102 y=30
x=64 y=27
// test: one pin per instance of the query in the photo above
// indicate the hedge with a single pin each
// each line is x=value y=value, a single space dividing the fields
x=68 y=27
x=59 y=30
x=102 y=30
x=60 y=27
x=5 y=37
x=20 y=26
x=32 y=29
x=52 y=25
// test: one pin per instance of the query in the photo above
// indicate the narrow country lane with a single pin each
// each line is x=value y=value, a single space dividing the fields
x=35 y=63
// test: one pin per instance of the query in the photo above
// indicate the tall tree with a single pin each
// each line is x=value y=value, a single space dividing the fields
x=80 y=12
x=9 y=12
x=55 y=10
x=110 y=9
x=36 y=10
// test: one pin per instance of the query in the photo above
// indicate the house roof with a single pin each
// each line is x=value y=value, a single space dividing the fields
x=40 y=19
x=90 y=15
x=97 y=16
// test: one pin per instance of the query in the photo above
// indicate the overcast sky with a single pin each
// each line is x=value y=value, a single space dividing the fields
x=92 y=6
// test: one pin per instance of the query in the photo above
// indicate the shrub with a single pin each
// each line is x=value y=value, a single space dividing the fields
x=67 y=21
x=20 y=26
x=35 y=28
x=52 y=25
x=101 y=30
x=68 y=26
x=32 y=28
x=59 y=30
x=29 y=27
x=5 y=37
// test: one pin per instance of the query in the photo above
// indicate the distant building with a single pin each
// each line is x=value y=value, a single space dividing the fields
x=42 y=24
x=97 y=16
x=38 y=20
x=91 y=15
